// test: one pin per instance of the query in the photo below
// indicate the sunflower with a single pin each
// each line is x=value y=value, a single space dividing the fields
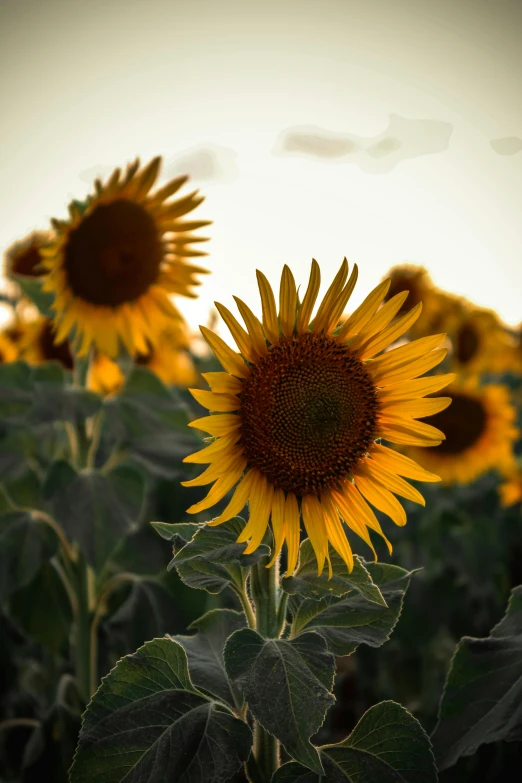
x=510 y=490
x=113 y=265
x=25 y=257
x=39 y=344
x=480 y=433
x=437 y=306
x=480 y=342
x=301 y=409
x=8 y=352
x=169 y=359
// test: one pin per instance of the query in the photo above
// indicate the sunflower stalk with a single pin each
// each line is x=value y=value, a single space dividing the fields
x=83 y=648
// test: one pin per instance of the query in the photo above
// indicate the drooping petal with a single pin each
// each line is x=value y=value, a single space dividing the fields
x=382 y=499
x=314 y=523
x=238 y=500
x=394 y=462
x=292 y=531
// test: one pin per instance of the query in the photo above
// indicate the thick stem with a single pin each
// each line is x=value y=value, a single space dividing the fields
x=264 y=586
x=82 y=631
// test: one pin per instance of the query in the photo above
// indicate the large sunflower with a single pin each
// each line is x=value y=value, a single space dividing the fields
x=300 y=411
x=480 y=433
x=25 y=257
x=113 y=265
x=480 y=342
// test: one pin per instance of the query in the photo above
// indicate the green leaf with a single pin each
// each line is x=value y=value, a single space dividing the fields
x=170 y=730
x=33 y=289
x=205 y=651
x=306 y=583
x=482 y=699
x=25 y=544
x=349 y=620
x=388 y=745
x=150 y=422
x=179 y=533
x=95 y=509
x=43 y=610
x=287 y=685
x=16 y=390
x=16 y=446
x=25 y=491
x=212 y=560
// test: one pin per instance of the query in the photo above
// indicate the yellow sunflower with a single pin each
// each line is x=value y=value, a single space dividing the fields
x=25 y=257
x=437 y=306
x=169 y=359
x=510 y=490
x=480 y=433
x=39 y=344
x=480 y=342
x=8 y=351
x=300 y=411
x=113 y=265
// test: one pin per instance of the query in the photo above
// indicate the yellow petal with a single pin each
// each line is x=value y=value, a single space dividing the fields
x=335 y=532
x=314 y=523
x=278 y=524
x=260 y=504
x=270 y=324
x=216 y=402
x=324 y=314
x=292 y=531
x=305 y=309
x=241 y=337
x=214 y=450
x=254 y=328
x=342 y=301
x=394 y=483
x=382 y=499
x=223 y=382
x=380 y=320
x=392 y=333
x=220 y=489
x=361 y=512
x=238 y=500
x=220 y=424
x=216 y=469
x=229 y=359
x=413 y=370
x=361 y=316
x=354 y=519
x=287 y=302
x=412 y=426
x=407 y=353
x=416 y=388
x=393 y=462
x=416 y=409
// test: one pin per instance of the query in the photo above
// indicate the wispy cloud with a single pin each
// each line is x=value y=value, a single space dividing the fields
x=509 y=145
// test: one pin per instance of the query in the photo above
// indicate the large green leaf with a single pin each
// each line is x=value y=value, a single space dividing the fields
x=25 y=491
x=482 y=699
x=212 y=559
x=349 y=620
x=149 y=422
x=147 y=722
x=96 y=509
x=205 y=651
x=33 y=289
x=25 y=544
x=307 y=584
x=287 y=684
x=179 y=533
x=388 y=745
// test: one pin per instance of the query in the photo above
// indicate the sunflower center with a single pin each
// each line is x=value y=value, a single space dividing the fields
x=467 y=343
x=52 y=351
x=309 y=413
x=462 y=423
x=114 y=255
x=28 y=262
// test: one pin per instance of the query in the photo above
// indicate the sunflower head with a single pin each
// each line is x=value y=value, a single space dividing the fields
x=298 y=415
x=480 y=433
x=481 y=343
x=25 y=257
x=114 y=263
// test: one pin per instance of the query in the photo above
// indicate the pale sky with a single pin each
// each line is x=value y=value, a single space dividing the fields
x=411 y=109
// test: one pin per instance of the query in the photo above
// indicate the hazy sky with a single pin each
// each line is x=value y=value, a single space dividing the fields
x=386 y=131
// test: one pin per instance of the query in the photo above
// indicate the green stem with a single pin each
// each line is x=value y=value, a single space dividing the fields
x=82 y=631
x=95 y=438
x=264 y=586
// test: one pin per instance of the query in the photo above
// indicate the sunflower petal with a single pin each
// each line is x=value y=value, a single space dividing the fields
x=335 y=532
x=216 y=402
x=393 y=462
x=304 y=315
x=238 y=500
x=392 y=333
x=416 y=409
x=215 y=449
x=219 y=489
x=219 y=424
x=278 y=524
x=270 y=324
x=287 y=302
x=362 y=315
x=292 y=531
x=313 y=519
x=223 y=382
x=216 y=469
x=382 y=499
x=392 y=482
x=324 y=313
x=241 y=337
x=254 y=328
x=229 y=359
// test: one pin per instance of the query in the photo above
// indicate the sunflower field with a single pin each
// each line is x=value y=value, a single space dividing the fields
x=293 y=554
